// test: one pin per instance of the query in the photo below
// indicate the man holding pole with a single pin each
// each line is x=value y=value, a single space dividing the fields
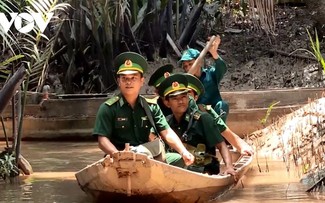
x=192 y=61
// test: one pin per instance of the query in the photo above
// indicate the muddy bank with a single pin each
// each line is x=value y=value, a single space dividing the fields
x=298 y=140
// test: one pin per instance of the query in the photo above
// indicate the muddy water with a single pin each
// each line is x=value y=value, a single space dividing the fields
x=55 y=163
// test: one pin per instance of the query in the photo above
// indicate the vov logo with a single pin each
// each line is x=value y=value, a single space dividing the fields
x=25 y=22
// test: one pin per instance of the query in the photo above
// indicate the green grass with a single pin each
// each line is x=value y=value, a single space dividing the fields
x=316 y=49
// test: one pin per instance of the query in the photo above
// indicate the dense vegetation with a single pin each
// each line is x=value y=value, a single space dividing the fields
x=76 y=51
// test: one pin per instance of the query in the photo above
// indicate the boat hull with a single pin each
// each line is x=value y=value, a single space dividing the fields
x=129 y=176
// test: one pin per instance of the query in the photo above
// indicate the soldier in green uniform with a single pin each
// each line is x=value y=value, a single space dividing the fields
x=196 y=88
x=194 y=127
x=155 y=79
x=128 y=117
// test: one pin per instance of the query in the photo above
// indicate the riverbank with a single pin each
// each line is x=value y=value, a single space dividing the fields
x=297 y=138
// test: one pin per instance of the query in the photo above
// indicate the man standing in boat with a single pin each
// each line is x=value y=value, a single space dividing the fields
x=129 y=118
x=195 y=128
x=209 y=76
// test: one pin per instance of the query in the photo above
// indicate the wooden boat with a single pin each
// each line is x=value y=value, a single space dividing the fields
x=131 y=177
x=67 y=117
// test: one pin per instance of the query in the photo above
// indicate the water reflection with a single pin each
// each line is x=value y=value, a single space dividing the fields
x=55 y=164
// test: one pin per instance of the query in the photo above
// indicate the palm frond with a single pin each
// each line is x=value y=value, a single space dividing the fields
x=5 y=6
x=10 y=60
x=8 y=38
x=39 y=57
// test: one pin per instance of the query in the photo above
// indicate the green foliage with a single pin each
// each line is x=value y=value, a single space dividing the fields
x=8 y=61
x=31 y=45
x=268 y=113
x=8 y=39
x=8 y=167
x=38 y=57
x=79 y=44
x=316 y=49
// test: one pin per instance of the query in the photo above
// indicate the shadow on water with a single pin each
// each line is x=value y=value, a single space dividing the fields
x=55 y=163
x=43 y=191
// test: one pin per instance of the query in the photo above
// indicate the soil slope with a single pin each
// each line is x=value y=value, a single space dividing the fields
x=258 y=61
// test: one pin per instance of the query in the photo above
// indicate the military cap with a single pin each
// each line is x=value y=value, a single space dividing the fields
x=130 y=63
x=160 y=74
x=173 y=85
x=190 y=54
x=194 y=83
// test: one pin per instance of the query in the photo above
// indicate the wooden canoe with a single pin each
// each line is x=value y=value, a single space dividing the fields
x=131 y=177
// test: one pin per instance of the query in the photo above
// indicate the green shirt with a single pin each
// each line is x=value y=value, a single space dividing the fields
x=121 y=124
x=211 y=77
x=202 y=131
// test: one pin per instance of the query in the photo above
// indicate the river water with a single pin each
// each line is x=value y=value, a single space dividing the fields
x=55 y=163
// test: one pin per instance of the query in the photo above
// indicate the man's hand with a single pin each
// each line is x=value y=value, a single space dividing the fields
x=188 y=158
x=214 y=48
x=231 y=171
x=246 y=149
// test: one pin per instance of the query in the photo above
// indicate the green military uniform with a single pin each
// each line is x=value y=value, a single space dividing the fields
x=121 y=123
x=200 y=131
x=196 y=85
x=196 y=127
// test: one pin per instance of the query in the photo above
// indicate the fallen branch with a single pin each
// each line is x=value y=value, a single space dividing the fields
x=291 y=55
x=173 y=45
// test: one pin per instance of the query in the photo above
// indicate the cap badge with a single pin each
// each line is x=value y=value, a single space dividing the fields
x=175 y=85
x=128 y=63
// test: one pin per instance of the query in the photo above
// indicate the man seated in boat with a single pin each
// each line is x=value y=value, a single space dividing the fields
x=194 y=127
x=196 y=88
x=128 y=117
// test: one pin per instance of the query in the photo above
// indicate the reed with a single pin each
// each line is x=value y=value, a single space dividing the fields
x=316 y=49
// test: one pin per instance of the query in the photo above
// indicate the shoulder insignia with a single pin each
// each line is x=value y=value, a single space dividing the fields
x=197 y=115
x=112 y=100
x=152 y=100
